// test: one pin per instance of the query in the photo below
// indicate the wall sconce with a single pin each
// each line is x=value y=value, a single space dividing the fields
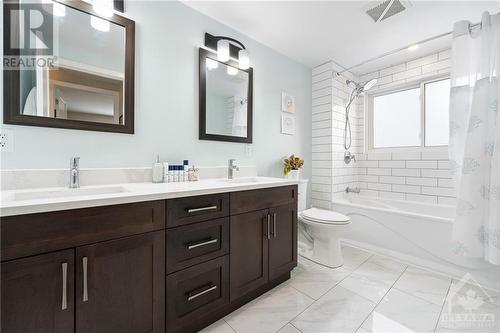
x=226 y=48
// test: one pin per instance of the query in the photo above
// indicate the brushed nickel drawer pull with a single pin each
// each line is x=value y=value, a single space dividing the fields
x=268 y=226
x=64 y=304
x=190 y=298
x=275 y=233
x=194 y=210
x=85 y=288
x=194 y=246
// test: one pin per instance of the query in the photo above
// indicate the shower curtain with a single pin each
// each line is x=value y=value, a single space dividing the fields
x=475 y=137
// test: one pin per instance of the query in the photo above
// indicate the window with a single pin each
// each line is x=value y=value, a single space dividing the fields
x=413 y=117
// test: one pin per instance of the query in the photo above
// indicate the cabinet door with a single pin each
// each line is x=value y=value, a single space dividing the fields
x=38 y=294
x=283 y=242
x=248 y=252
x=120 y=285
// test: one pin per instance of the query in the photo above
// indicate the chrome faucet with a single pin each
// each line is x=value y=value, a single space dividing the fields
x=230 y=168
x=74 y=172
x=352 y=190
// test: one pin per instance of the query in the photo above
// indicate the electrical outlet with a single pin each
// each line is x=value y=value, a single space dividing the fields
x=6 y=140
x=248 y=150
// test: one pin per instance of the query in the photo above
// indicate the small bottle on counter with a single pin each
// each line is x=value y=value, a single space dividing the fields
x=193 y=174
x=165 y=172
x=170 y=173
x=157 y=170
x=185 y=168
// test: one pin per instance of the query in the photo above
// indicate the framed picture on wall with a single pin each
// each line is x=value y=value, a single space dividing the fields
x=287 y=103
x=287 y=124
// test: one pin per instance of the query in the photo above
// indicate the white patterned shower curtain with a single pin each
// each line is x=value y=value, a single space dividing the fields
x=475 y=137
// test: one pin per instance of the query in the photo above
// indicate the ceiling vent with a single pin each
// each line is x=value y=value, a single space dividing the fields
x=381 y=10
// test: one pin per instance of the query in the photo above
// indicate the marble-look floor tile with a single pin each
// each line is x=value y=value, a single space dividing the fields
x=473 y=311
x=288 y=328
x=424 y=284
x=399 y=312
x=218 y=327
x=371 y=281
x=269 y=312
x=315 y=281
x=340 y=310
x=353 y=257
x=387 y=263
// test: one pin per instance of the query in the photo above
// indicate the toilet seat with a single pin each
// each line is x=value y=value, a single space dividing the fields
x=324 y=216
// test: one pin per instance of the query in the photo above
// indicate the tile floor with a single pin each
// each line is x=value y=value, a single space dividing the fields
x=369 y=293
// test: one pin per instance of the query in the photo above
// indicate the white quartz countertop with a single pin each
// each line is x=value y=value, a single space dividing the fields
x=40 y=200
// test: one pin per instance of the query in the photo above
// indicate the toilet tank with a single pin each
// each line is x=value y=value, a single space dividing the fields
x=302 y=199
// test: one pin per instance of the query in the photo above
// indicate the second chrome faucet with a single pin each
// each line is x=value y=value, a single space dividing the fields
x=231 y=166
x=74 y=172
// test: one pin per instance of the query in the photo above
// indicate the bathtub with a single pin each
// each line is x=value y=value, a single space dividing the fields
x=416 y=233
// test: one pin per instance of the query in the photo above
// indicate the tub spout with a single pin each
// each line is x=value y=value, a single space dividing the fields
x=352 y=190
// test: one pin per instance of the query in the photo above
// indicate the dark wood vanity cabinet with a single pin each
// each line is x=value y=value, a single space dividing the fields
x=159 y=266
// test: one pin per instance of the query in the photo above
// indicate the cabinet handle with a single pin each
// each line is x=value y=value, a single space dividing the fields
x=190 y=298
x=194 y=210
x=64 y=304
x=268 y=226
x=195 y=245
x=275 y=232
x=85 y=288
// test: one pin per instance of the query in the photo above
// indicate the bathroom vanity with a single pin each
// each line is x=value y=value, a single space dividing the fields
x=175 y=262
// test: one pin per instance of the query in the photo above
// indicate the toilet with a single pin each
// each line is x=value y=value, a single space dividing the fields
x=320 y=231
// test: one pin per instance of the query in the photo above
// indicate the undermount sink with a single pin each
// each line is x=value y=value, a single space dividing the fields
x=70 y=192
x=244 y=180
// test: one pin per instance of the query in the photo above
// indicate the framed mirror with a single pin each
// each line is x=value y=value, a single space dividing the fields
x=225 y=100
x=86 y=81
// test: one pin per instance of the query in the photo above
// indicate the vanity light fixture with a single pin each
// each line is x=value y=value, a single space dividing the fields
x=99 y=24
x=58 y=9
x=212 y=64
x=232 y=70
x=228 y=48
x=103 y=7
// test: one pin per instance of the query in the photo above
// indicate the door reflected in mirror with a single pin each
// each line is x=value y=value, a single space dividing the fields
x=227 y=102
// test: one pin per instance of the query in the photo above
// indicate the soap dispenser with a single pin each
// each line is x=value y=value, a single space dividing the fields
x=157 y=170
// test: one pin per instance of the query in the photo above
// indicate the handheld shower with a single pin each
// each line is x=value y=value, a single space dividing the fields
x=358 y=89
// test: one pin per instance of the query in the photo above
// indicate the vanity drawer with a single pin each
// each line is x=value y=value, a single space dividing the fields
x=196 y=292
x=187 y=210
x=248 y=201
x=31 y=234
x=193 y=244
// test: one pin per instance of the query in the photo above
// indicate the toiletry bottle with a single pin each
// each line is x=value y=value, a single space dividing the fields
x=157 y=170
x=170 y=174
x=165 y=172
x=185 y=175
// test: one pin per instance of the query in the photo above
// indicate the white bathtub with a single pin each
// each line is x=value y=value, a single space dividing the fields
x=412 y=232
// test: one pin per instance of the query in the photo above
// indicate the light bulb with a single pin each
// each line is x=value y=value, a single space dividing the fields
x=212 y=64
x=59 y=9
x=222 y=50
x=103 y=7
x=232 y=70
x=99 y=24
x=243 y=59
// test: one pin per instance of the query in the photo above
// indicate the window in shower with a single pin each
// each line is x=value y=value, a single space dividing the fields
x=415 y=115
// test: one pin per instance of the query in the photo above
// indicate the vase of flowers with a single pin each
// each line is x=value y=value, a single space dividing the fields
x=291 y=167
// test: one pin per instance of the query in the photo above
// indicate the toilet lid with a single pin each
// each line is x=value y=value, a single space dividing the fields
x=325 y=216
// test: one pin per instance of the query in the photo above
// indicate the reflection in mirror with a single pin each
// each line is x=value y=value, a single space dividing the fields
x=87 y=80
x=227 y=103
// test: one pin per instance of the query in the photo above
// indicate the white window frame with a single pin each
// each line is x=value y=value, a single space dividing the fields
x=368 y=107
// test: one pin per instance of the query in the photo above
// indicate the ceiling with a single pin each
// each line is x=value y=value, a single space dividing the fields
x=313 y=32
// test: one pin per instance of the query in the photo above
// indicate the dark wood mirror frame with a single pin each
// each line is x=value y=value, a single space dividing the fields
x=203 y=135
x=11 y=104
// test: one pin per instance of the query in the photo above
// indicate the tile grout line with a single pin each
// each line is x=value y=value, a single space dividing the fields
x=381 y=299
x=442 y=307
x=335 y=285
x=235 y=331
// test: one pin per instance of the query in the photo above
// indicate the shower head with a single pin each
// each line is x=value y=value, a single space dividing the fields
x=362 y=87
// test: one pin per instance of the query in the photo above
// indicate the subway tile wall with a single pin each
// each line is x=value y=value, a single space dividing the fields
x=414 y=176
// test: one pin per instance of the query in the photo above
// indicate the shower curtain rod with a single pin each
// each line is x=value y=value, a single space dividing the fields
x=344 y=69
